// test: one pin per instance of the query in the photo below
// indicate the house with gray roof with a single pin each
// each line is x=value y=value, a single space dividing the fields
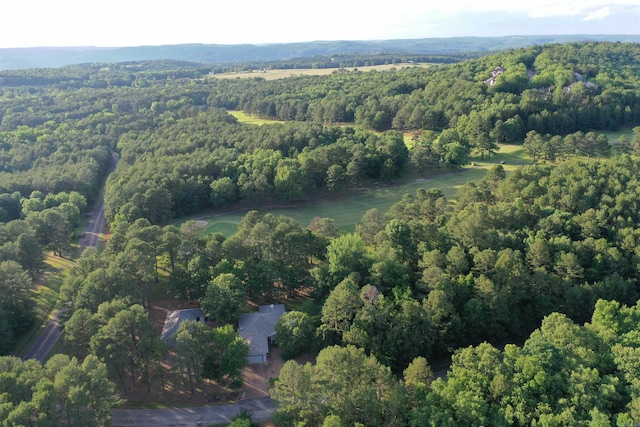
x=258 y=330
x=176 y=317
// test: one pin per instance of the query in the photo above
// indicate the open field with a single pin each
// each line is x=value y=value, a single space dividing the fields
x=347 y=210
x=251 y=120
x=281 y=74
x=614 y=136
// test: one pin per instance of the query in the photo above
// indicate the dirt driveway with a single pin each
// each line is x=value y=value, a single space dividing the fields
x=256 y=375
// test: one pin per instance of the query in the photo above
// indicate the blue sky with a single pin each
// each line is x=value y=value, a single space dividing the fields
x=30 y=23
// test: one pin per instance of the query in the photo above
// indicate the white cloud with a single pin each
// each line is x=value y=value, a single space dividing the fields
x=599 y=14
x=137 y=22
x=532 y=8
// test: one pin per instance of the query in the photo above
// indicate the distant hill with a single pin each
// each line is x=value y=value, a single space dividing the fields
x=43 y=57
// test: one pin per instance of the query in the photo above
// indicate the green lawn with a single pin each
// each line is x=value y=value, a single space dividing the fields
x=251 y=120
x=227 y=224
x=347 y=210
x=46 y=288
x=614 y=136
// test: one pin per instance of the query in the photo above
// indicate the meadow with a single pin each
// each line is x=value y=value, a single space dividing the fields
x=285 y=73
x=251 y=120
x=347 y=209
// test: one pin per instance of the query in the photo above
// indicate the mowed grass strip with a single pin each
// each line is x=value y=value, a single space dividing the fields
x=46 y=288
x=347 y=209
x=251 y=120
x=614 y=136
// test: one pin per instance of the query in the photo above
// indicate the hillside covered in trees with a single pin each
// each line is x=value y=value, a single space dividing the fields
x=271 y=53
x=176 y=143
x=522 y=258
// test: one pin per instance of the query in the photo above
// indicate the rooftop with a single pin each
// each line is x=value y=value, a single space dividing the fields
x=257 y=328
x=175 y=317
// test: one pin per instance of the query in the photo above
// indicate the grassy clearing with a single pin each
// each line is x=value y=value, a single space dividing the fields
x=511 y=156
x=283 y=74
x=614 y=137
x=252 y=120
x=226 y=224
x=348 y=209
x=46 y=288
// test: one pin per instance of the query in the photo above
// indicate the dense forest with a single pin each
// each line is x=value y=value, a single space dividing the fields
x=540 y=262
x=557 y=90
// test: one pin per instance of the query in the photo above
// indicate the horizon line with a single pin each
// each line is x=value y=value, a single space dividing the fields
x=318 y=41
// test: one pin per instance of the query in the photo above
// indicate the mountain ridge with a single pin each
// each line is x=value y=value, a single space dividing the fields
x=50 y=57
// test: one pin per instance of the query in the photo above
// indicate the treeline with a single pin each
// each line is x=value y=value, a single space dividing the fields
x=564 y=374
x=63 y=391
x=418 y=282
x=29 y=226
x=342 y=60
x=101 y=75
x=554 y=89
x=210 y=160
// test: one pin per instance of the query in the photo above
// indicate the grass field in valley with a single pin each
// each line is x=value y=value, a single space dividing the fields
x=614 y=136
x=295 y=72
x=347 y=210
x=251 y=120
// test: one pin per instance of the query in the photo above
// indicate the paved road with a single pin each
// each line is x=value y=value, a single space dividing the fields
x=90 y=237
x=47 y=339
x=261 y=407
x=94 y=227
x=96 y=222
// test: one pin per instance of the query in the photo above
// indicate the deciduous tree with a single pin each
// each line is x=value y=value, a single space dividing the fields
x=224 y=298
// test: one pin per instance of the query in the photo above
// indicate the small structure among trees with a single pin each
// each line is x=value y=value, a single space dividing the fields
x=258 y=329
x=494 y=75
x=176 y=317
